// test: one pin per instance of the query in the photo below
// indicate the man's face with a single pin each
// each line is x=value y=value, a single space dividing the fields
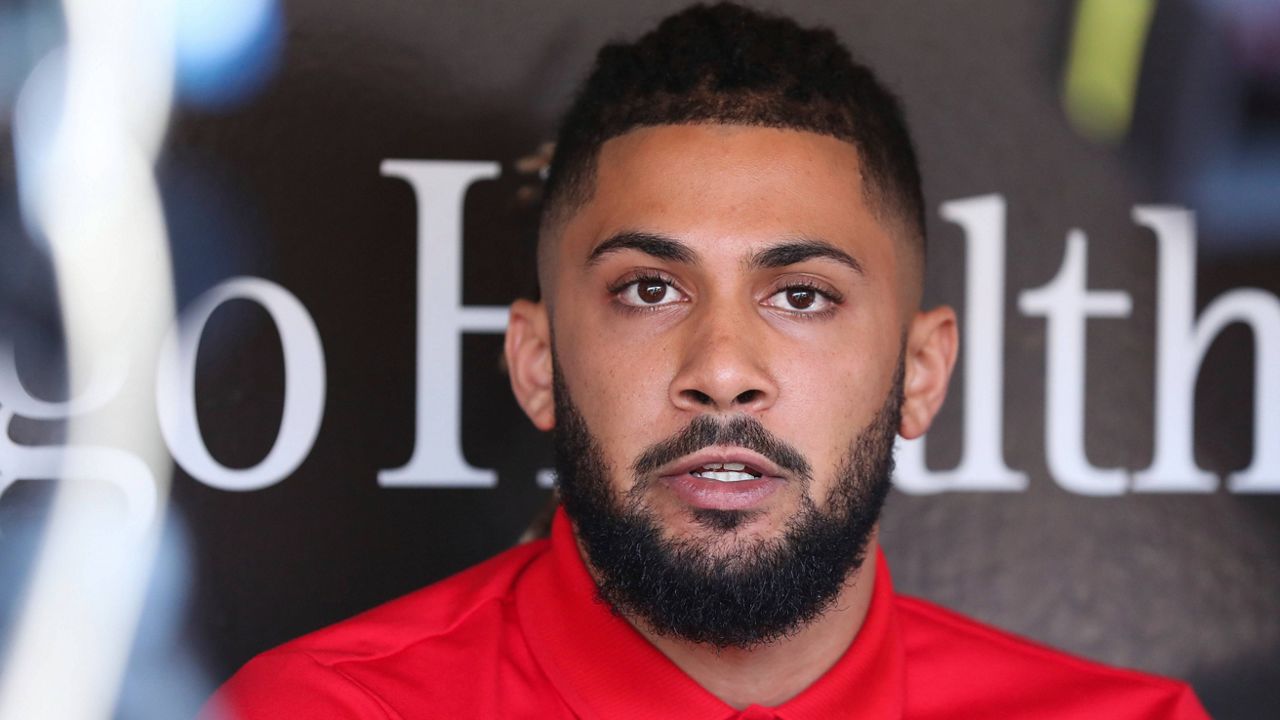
x=726 y=271
x=729 y=321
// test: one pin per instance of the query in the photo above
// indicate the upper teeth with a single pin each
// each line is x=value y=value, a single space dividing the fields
x=725 y=472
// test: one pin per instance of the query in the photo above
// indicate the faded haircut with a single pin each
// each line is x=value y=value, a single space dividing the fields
x=729 y=64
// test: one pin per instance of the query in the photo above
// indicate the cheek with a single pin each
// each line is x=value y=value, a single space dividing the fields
x=618 y=366
x=619 y=380
x=830 y=392
x=822 y=400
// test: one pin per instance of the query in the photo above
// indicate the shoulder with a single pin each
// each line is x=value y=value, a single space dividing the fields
x=363 y=667
x=477 y=596
x=955 y=662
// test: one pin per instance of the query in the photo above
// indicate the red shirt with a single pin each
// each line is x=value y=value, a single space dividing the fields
x=522 y=636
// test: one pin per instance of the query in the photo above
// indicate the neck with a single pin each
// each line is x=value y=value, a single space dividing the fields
x=772 y=674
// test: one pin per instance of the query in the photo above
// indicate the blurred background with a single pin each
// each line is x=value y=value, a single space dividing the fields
x=283 y=391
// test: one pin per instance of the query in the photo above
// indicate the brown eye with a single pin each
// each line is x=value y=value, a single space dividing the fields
x=651 y=292
x=801 y=298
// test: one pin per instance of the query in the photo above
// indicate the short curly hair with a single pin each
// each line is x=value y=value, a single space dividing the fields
x=726 y=63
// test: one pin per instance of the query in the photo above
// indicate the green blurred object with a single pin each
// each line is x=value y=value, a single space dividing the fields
x=1103 y=65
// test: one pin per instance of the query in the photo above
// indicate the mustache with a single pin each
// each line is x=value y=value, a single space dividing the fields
x=740 y=431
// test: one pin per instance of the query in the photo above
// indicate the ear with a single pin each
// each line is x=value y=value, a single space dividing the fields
x=528 y=353
x=932 y=344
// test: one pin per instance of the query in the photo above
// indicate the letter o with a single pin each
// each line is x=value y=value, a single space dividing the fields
x=304 y=387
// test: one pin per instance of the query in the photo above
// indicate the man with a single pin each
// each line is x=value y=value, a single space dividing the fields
x=729 y=338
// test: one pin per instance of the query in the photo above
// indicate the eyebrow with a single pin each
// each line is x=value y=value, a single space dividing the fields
x=658 y=246
x=791 y=252
x=788 y=252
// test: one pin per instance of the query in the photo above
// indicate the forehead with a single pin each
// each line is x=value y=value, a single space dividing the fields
x=730 y=186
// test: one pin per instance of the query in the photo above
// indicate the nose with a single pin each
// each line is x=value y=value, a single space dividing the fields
x=724 y=364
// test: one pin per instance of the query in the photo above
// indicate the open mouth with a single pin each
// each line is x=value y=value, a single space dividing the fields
x=723 y=478
x=729 y=472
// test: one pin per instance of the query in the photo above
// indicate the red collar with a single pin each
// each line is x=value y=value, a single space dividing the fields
x=605 y=669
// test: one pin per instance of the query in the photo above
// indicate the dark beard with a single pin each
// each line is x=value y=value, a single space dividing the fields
x=765 y=590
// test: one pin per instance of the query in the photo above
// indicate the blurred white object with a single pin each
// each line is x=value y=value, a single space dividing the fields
x=91 y=121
